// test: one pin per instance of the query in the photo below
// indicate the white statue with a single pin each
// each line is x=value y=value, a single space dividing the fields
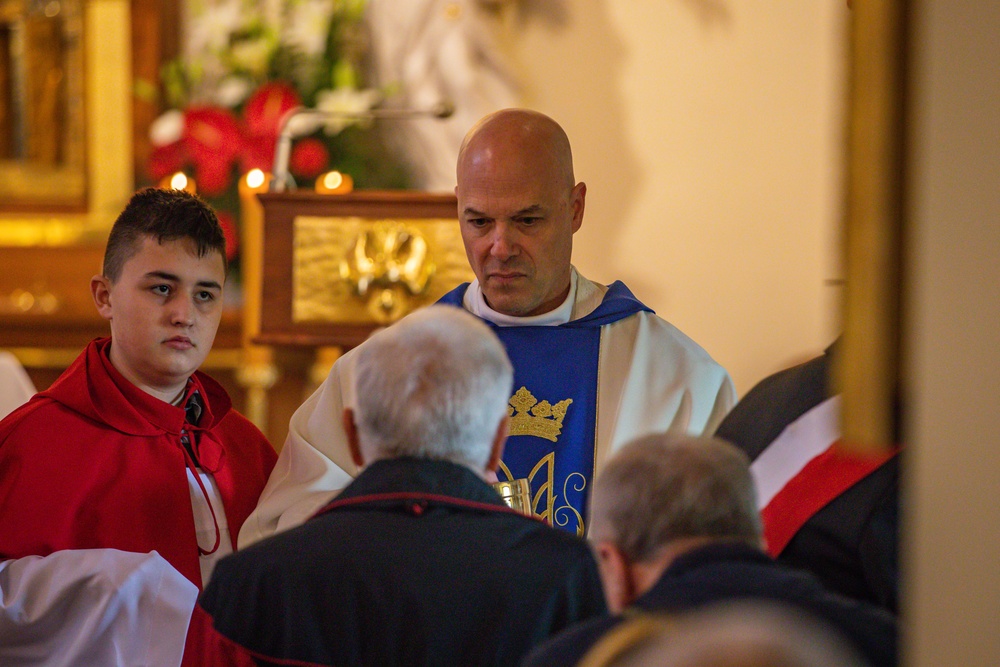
x=434 y=51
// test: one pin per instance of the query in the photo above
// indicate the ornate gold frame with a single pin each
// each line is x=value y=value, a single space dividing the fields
x=108 y=114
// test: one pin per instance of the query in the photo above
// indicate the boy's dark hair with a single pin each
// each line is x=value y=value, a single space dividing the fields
x=166 y=215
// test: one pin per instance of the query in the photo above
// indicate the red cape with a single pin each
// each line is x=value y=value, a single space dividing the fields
x=94 y=462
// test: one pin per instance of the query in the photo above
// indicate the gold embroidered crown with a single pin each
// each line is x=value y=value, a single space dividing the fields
x=529 y=417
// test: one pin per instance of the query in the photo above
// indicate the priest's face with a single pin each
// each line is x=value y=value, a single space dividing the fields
x=164 y=311
x=518 y=210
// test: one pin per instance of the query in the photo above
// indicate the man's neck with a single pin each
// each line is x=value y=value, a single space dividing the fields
x=646 y=573
x=178 y=400
x=166 y=393
x=172 y=395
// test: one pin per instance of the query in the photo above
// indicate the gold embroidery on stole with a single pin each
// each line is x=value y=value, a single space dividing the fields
x=528 y=416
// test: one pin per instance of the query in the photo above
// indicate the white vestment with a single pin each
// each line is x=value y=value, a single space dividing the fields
x=653 y=378
x=93 y=607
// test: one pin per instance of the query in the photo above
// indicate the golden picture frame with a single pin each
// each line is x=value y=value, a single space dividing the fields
x=59 y=205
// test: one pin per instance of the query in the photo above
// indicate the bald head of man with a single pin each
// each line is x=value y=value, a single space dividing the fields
x=518 y=207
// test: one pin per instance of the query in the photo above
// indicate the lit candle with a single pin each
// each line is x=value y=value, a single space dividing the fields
x=255 y=180
x=258 y=372
x=251 y=184
x=334 y=183
x=178 y=181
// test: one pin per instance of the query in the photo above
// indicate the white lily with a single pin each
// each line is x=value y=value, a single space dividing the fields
x=347 y=102
x=167 y=128
x=308 y=26
x=215 y=24
x=232 y=90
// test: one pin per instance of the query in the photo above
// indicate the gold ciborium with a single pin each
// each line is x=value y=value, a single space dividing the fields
x=516 y=493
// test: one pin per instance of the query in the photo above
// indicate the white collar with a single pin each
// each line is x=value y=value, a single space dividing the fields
x=475 y=303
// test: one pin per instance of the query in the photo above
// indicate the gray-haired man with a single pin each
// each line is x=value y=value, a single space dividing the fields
x=418 y=560
x=675 y=528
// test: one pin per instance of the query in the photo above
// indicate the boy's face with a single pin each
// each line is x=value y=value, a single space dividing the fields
x=164 y=311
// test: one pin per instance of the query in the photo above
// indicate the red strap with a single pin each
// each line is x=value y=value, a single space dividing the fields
x=817 y=484
x=416 y=497
x=208 y=499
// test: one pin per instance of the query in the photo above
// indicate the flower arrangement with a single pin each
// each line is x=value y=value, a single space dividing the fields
x=247 y=63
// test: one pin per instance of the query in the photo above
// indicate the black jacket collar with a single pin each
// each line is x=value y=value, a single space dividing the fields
x=405 y=480
x=723 y=551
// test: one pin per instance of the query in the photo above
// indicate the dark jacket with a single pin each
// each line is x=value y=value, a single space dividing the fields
x=729 y=571
x=416 y=562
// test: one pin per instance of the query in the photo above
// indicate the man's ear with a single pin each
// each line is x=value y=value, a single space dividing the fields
x=496 y=449
x=578 y=200
x=100 y=289
x=616 y=576
x=353 y=444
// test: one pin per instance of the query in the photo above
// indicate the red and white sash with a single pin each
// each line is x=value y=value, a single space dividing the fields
x=803 y=470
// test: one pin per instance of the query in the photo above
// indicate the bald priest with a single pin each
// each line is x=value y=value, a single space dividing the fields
x=594 y=367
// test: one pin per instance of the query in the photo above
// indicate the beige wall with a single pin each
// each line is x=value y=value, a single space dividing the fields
x=953 y=519
x=709 y=134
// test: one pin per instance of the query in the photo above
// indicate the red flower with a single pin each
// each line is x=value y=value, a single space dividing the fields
x=266 y=107
x=229 y=231
x=213 y=177
x=262 y=114
x=258 y=153
x=167 y=160
x=212 y=134
x=213 y=138
x=309 y=158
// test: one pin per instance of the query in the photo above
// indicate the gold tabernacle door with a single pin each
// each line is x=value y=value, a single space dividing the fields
x=336 y=267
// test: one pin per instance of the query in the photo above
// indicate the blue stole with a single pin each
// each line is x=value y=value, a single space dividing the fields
x=553 y=412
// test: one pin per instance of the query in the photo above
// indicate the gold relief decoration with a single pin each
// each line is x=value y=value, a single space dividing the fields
x=43 y=123
x=354 y=270
x=387 y=264
x=528 y=416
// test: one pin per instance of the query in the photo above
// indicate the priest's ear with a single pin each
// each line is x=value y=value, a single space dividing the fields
x=100 y=289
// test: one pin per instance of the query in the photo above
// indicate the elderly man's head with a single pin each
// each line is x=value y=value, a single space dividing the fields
x=518 y=207
x=662 y=495
x=433 y=385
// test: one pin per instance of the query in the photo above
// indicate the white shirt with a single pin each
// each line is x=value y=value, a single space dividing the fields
x=204 y=525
